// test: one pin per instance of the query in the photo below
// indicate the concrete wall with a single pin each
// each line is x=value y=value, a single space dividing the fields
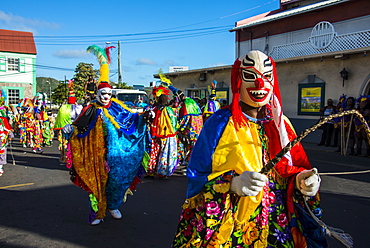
x=190 y=80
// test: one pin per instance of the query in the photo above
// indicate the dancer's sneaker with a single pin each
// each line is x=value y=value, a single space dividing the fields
x=115 y=214
x=96 y=222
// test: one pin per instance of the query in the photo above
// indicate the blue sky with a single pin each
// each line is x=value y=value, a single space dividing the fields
x=153 y=34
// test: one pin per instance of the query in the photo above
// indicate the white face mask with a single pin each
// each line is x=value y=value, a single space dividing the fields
x=257 y=79
x=104 y=95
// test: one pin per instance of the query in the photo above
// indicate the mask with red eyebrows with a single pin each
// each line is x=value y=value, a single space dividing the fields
x=257 y=79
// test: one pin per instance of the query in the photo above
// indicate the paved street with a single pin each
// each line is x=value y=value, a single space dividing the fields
x=41 y=208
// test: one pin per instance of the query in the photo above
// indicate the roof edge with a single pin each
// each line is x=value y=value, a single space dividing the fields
x=291 y=12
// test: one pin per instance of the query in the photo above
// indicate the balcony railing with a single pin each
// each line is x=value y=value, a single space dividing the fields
x=339 y=43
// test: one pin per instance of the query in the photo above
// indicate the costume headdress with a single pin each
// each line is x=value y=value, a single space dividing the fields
x=275 y=103
x=2 y=97
x=104 y=85
x=160 y=90
x=71 y=93
x=362 y=98
x=103 y=56
x=212 y=90
x=27 y=104
x=163 y=88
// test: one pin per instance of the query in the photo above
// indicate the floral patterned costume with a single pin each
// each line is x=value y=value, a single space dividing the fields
x=212 y=216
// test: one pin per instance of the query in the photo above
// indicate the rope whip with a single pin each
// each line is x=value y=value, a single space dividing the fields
x=270 y=164
x=336 y=233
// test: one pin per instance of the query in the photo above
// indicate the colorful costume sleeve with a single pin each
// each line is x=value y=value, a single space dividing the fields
x=200 y=165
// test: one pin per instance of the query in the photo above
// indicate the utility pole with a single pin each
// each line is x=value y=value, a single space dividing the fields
x=50 y=92
x=65 y=83
x=119 y=63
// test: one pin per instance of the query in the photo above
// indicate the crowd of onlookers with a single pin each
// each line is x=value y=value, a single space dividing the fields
x=348 y=133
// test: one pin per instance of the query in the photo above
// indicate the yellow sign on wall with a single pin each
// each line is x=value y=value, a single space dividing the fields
x=221 y=94
x=310 y=99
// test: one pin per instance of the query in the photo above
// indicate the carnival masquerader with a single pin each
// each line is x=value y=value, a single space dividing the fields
x=229 y=203
x=106 y=147
x=5 y=131
x=212 y=105
x=163 y=129
x=67 y=114
x=43 y=119
x=190 y=124
x=30 y=127
x=364 y=109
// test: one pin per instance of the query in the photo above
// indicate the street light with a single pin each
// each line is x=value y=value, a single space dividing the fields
x=344 y=75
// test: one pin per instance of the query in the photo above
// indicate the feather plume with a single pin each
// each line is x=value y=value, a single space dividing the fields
x=160 y=90
x=166 y=81
x=214 y=84
x=107 y=52
x=99 y=53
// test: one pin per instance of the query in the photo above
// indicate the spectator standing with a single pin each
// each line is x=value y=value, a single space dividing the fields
x=338 y=120
x=328 y=127
x=364 y=108
x=90 y=89
x=348 y=129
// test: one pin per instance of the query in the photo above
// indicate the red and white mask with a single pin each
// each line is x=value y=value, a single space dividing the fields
x=257 y=79
x=104 y=95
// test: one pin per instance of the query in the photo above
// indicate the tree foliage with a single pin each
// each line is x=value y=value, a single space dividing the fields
x=122 y=85
x=46 y=85
x=82 y=73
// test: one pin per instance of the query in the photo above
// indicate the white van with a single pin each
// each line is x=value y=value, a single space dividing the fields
x=134 y=99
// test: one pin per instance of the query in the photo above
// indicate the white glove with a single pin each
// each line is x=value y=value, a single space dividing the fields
x=249 y=183
x=67 y=129
x=308 y=182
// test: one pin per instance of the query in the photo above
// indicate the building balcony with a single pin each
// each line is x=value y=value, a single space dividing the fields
x=324 y=45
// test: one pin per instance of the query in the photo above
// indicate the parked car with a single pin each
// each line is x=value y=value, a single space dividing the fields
x=136 y=100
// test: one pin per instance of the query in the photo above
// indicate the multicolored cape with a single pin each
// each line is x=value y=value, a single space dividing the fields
x=106 y=151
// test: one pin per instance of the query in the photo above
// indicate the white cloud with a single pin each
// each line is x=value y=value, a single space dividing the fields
x=144 y=61
x=170 y=62
x=217 y=64
x=71 y=54
x=19 y=23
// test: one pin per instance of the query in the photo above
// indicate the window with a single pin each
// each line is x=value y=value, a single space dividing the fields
x=13 y=96
x=2 y=64
x=13 y=64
